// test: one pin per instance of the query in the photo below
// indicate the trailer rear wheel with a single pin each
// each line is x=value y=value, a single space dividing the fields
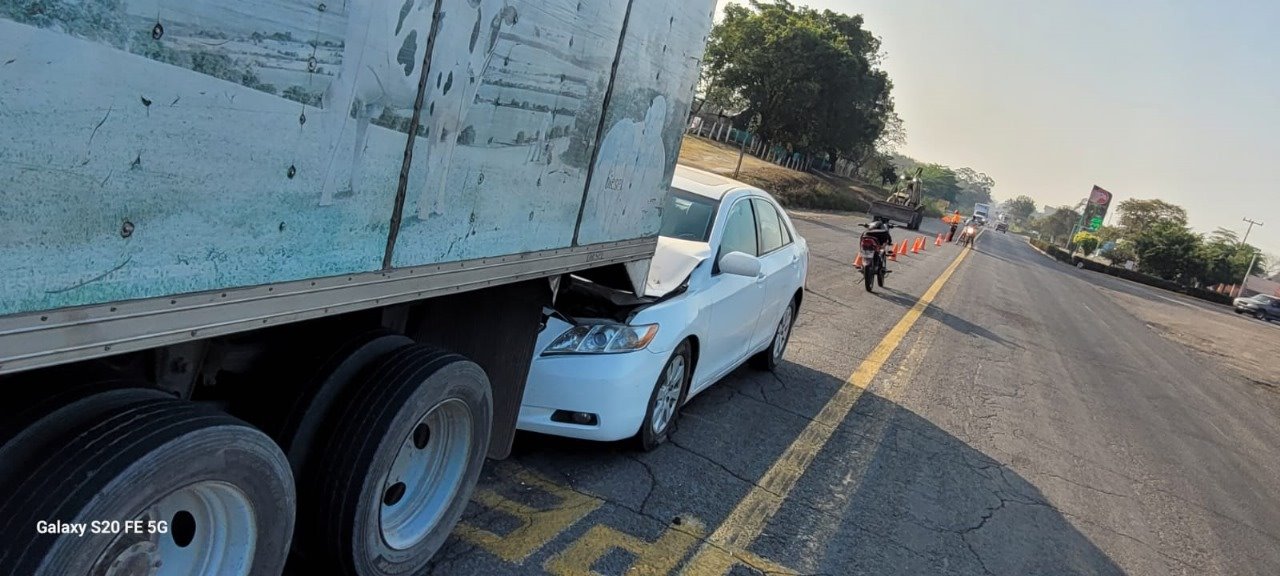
x=310 y=409
x=403 y=458
x=222 y=489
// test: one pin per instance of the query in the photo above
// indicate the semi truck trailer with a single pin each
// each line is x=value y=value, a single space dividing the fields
x=274 y=269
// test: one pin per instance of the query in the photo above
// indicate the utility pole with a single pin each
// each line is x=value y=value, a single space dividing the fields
x=1245 y=283
x=752 y=126
x=1252 y=223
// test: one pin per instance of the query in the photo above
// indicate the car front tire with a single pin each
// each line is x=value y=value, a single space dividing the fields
x=664 y=402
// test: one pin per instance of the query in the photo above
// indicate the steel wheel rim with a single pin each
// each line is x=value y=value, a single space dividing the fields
x=209 y=528
x=425 y=475
x=664 y=404
x=783 y=334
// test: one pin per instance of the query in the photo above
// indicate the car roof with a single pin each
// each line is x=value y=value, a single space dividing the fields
x=705 y=184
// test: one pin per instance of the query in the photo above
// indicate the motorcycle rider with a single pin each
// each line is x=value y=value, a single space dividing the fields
x=880 y=232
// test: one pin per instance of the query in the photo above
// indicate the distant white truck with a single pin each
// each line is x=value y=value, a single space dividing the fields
x=274 y=270
x=981 y=212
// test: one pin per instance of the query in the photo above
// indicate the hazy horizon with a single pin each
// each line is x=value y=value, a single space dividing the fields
x=1147 y=99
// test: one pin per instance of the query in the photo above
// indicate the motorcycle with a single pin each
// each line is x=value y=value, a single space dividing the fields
x=874 y=265
x=967 y=235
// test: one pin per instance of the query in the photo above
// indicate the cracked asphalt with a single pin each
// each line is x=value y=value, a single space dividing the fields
x=1027 y=424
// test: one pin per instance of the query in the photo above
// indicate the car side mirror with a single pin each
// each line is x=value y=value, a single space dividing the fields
x=740 y=264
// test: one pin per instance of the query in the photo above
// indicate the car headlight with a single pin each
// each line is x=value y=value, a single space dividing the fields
x=602 y=339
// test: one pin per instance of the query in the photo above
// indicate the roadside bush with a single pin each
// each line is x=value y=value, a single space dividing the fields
x=1130 y=275
x=1210 y=295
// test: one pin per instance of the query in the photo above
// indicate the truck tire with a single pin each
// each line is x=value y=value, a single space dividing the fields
x=222 y=488
x=37 y=424
x=401 y=461
x=310 y=407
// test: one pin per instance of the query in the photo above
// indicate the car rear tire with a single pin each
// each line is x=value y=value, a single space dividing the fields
x=223 y=488
x=401 y=460
x=664 y=402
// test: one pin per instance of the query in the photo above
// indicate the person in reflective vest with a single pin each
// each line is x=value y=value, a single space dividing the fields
x=954 y=220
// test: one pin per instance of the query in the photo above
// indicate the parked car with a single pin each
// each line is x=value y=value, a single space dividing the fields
x=1261 y=306
x=724 y=287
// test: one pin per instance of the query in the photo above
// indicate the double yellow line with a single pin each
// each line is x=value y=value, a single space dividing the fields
x=728 y=545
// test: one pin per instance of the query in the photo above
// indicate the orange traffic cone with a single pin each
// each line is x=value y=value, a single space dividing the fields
x=902 y=248
x=915 y=246
x=893 y=255
x=857 y=262
x=938 y=242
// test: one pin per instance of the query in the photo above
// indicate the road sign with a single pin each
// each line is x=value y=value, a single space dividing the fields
x=1099 y=197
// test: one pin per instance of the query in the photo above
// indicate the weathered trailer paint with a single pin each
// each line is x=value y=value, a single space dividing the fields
x=153 y=148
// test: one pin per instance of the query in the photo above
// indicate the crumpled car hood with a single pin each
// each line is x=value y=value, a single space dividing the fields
x=673 y=261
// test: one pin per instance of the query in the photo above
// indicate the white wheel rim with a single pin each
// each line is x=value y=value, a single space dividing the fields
x=664 y=404
x=783 y=334
x=209 y=528
x=426 y=474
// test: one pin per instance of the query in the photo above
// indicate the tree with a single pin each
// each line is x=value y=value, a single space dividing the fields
x=1225 y=235
x=940 y=182
x=1086 y=242
x=1110 y=234
x=1020 y=208
x=1168 y=249
x=1057 y=225
x=975 y=187
x=1119 y=252
x=1136 y=216
x=811 y=76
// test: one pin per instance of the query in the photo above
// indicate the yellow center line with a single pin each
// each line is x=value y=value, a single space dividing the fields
x=747 y=520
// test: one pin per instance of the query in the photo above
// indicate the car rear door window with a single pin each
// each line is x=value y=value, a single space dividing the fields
x=739 y=230
x=771 y=234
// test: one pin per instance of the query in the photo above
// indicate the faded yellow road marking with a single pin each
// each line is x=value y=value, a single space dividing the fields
x=652 y=558
x=745 y=523
x=537 y=527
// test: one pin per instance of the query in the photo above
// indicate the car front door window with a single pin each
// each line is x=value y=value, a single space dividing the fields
x=740 y=231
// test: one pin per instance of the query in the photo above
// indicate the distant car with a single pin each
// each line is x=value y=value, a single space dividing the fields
x=1002 y=227
x=724 y=287
x=1261 y=306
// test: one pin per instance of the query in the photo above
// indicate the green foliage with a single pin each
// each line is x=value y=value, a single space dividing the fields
x=1020 y=208
x=1086 y=242
x=940 y=182
x=1136 y=216
x=1168 y=249
x=1224 y=260
x=812 y=76
x=1057 y=225
x=1119 y=253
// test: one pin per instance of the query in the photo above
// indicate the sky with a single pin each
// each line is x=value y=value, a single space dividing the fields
x=1173 y=99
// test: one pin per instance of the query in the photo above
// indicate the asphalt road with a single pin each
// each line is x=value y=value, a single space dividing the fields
x=987 y=413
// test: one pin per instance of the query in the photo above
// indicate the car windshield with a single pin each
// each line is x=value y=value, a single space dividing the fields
x=1261 y=299
x=688 y=216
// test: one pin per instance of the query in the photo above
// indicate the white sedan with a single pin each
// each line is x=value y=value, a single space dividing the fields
x=724 y=287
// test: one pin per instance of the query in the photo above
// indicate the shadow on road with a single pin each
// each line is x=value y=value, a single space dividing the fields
x=889 y=493
x=892 y=493
x=946 y=318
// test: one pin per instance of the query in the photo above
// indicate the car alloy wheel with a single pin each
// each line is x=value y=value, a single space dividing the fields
x=668 y=395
